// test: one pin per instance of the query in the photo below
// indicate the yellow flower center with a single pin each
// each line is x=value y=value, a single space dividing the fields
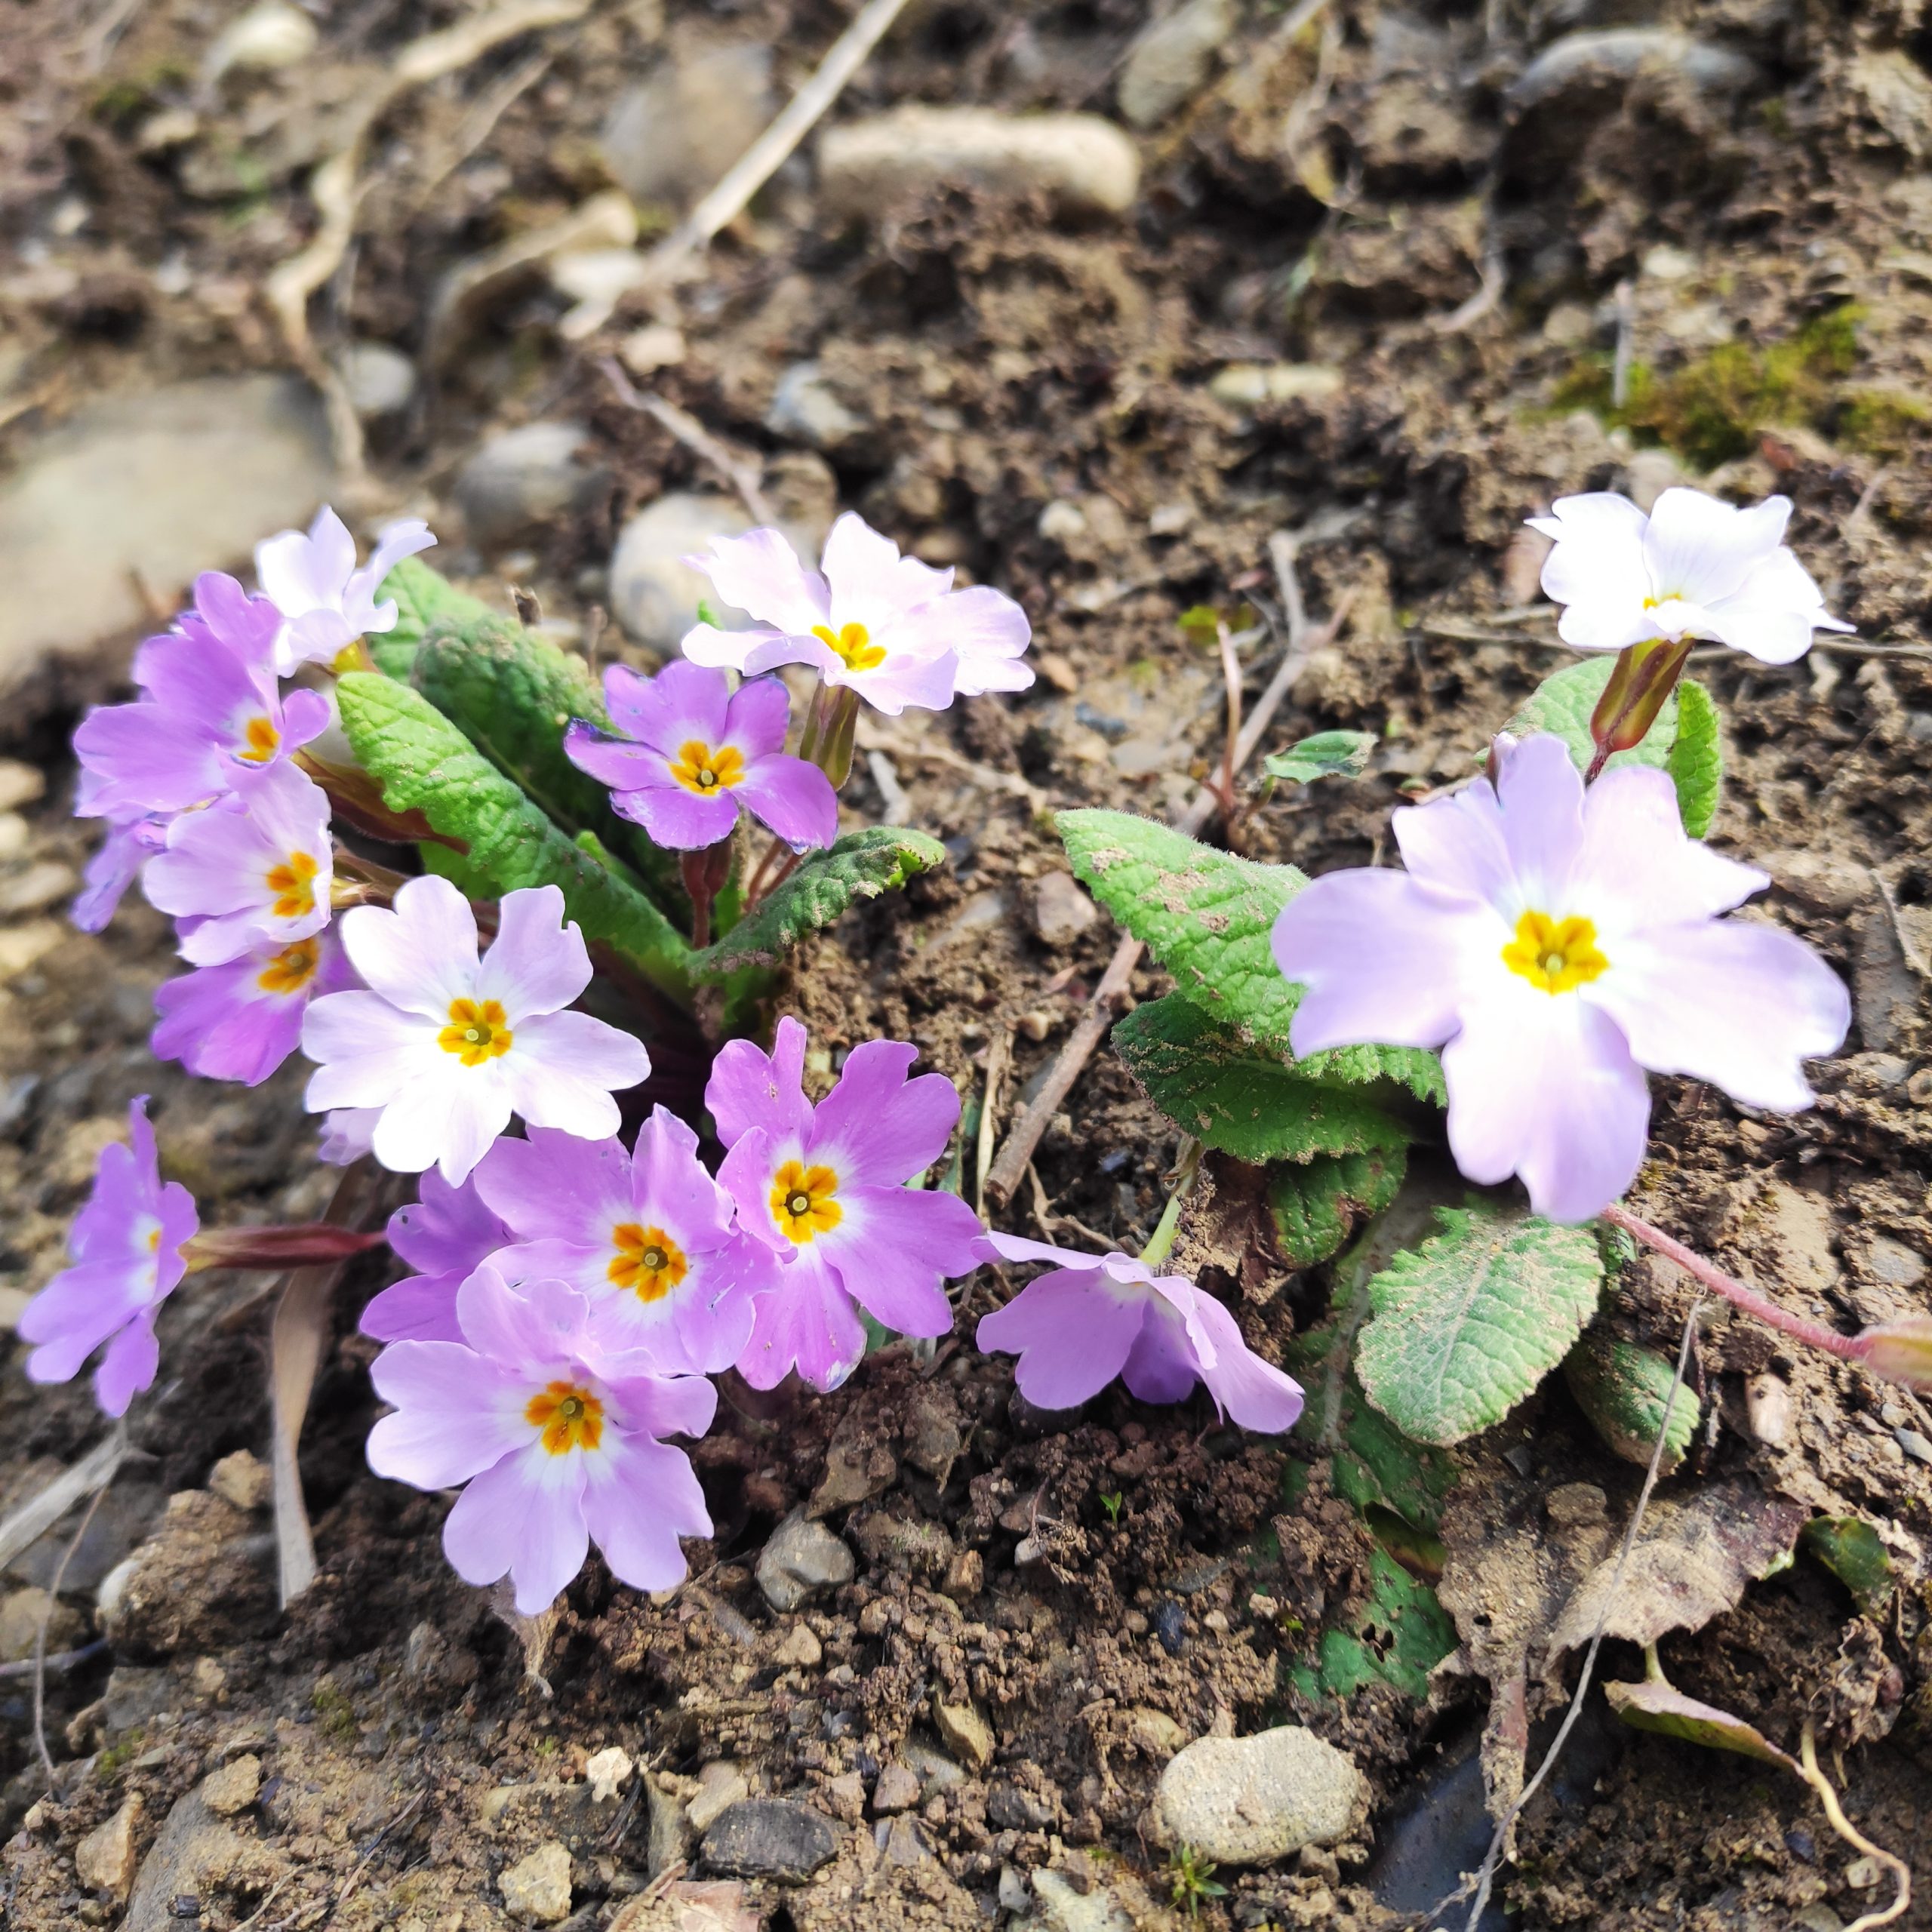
x=854 y=643
x=292 y=968
x=699 y=769
x=293 y=882
x=478 y=1030
x=802 y=1202
x=568 y=1417
x=1556 y=956
x=262 y=741
x=648 y=1261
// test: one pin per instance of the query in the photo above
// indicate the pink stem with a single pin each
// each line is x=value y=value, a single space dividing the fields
x=1847 y=1348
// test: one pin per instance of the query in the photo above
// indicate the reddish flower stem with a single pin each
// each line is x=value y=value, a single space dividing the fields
x=294 y=1244
x=1847 y=1348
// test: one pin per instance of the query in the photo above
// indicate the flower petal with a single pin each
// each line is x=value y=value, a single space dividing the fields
x=680 y=821
x=808 y=1321
x=1073 y=1333
x=984 y=629
x=758 y=718
x=638 y=1500
x=684 y=700
x=760 y=572
x=894 y=1247
x=1541 y=793
x=871 y=583
x=1701 y=548
x=457 y=1413
x=420 y=956
x=1457 y=844
x=1637 y=867
x=750 y=1087
x=878 y=1127
x=794 y=798
x=130 y=1365
x=562 y=1070
x=1597 y=569
x=538 y=961
x=1255 y=1393
x=1772 y=614
x=553 y=1185
x=523 y=1520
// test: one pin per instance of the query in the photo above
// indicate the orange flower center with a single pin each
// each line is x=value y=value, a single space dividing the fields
x=802 y=1200
x=567 y=1417
x=292 y=968
x=478 y=1030
x=293 y=882
x=699 y=769
x=263 y=741
x=648 y=1261
x=853 y=644
x=1556 y=956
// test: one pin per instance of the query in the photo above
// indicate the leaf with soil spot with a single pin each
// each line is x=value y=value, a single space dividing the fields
x=1207 y=916
x=1327 y=755
x=1463 y=1327
x=1848 y=1547
x=1623 y=1389
x=1239 y=1100
x=1397 y=1638
x=1685 y=740
x=861 y=865
x=1315 y=1205
x=1697 y=1555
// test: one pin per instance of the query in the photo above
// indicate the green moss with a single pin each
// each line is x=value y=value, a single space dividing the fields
x=1711 y=409
x=116 y=1757
x=335 y=1715
x=1882 y=423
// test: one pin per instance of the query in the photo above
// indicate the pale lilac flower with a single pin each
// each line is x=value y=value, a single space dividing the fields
x=127 y=1244
x=892 y=629
x=130 y=844
x=1694 y=568
x=825 y=1189
x=690 y=751
x=347 y=1133
x=210 y=712
x=240 y=1020
x=647 y=1241
x=448 y=1048
x=1555 y=944
x=1095 y=1316
x=257 y=868
x=446 y=1235
x=558 y=1436
x=326 y=603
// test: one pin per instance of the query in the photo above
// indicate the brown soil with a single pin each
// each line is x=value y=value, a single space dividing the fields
x=1005 y=363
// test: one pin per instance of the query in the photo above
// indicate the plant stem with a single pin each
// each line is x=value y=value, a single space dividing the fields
x=1847 y=1348
x=1157 y=1250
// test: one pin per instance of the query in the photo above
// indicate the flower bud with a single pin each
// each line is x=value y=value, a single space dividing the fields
x=1900 y=1351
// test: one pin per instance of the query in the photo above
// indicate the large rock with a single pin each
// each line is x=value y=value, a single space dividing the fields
x=196 y=1853
x=654 y=593
x=143 y=489
x=1249 y=1800
x=520 y=479
x=770 y=1837
x=800 y=1558
x=203 y=1580
x=538 y=1888
x=1083 y=164
x=670 y=138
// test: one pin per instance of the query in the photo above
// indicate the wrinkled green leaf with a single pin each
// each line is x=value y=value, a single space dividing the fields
x=1623 y=1388
x=423 y=763
x=1245 y=1102
x=1463 y=1327
x=1327 y=755
x=1848 y=1547
x=1655 y=1705
x=861 y=865
x=1401 y=1634
x=1206 y=916
x=1316 y=1204
x=423 y=597
x=1563 y=703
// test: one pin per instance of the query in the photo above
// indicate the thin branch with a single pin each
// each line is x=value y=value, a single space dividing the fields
x=40 y=1637
x=39 y=1514
x=694 y=435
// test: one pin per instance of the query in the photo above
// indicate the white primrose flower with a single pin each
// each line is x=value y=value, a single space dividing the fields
x=325 y=601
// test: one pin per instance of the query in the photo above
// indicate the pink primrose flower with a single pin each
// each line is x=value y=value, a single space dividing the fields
x=323 y=602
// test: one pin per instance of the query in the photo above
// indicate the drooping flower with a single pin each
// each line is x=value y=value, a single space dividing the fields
x=130 y=844
x=892 y=629
x=557 y=1437
x=1694 y=568
x=240 y=1020
x=126 y=1244
x=1555 y=944
x=825 y=1189
x=210 y=712
x=692 y=752
x=255 y=869
x=324 y=601
x=446 y=1235
x=449 y=1048
x=1095 y=1316
x=647 y=1241
x=347 y=1133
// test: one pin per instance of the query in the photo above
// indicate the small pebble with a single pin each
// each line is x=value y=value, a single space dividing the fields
x=1170 y=1626
x=1913 y=1444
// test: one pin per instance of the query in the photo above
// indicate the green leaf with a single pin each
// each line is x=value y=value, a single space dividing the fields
x=424 y=763
x=423 y=597
x=1315 y=1205
x=1207 y=916
x=1463 y=1327
x=1848 y=1547
x=1327 y=755
x=1400 y=1635
x=1696 y=764
x=1623 y=1388
x=1250 y=1104
x=861 y=865
x=1684 y=741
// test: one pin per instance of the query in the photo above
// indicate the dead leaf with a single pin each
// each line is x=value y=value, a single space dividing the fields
x=1657 y=1706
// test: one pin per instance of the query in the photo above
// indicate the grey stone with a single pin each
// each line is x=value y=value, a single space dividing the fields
x=380 y=380
x=800 y=1557
x=1058 y=910
x=1171 y=59
x=935 y=1770
x=1913 y=1444
x=896 y=1789
x=900 y=1543
x=147 y=487
x=1894 y=1264
x=520 y=479
x=202 y=1581
x=670 y=138
x=194 y=1855
x=805 y=408
x=1580 y=64
x=539 y=1887
x=654 y=593
x=1249 y=1800
x=1011 y=1807
x=1083 y=165
x=770 y=1837
x=1059 y=1905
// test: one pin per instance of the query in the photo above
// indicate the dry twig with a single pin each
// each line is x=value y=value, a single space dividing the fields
x=695 y=437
